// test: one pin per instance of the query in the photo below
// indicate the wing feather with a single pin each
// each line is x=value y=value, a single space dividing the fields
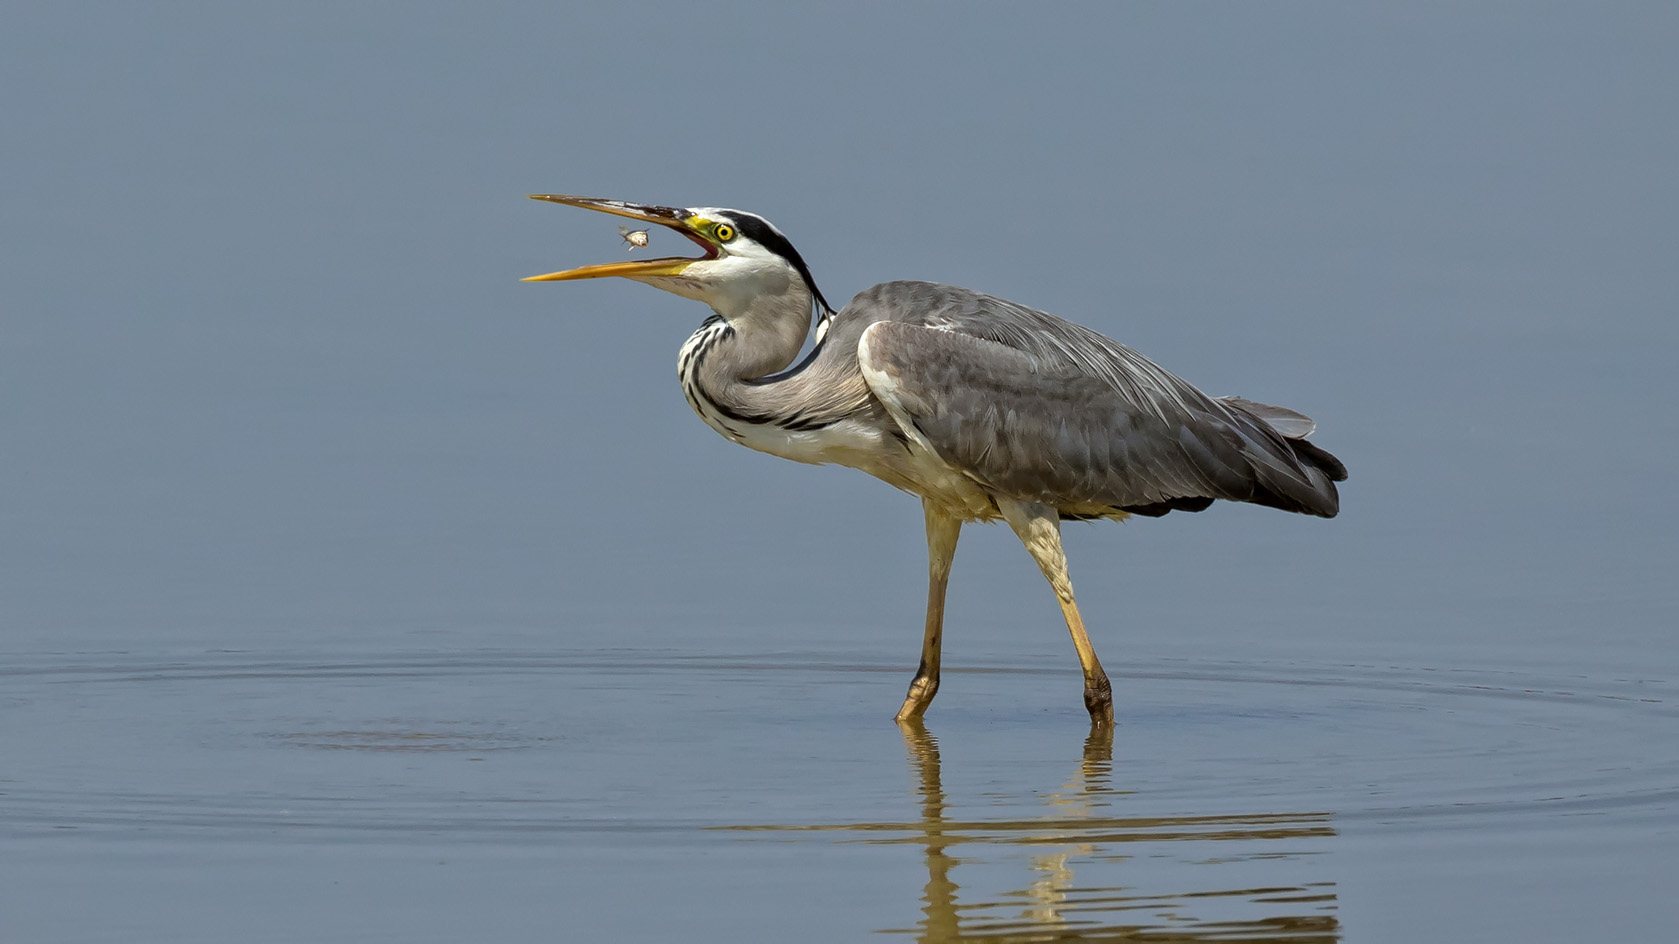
x=1040 y=409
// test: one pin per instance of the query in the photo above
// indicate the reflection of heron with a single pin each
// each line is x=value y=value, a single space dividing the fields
x=943 y=921
x=939 y=897
x=984 y=408
x=1053 y=908
x=1091 y=877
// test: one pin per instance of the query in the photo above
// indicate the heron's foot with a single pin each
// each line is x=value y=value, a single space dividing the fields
x=1099 y=701
x=921 y=692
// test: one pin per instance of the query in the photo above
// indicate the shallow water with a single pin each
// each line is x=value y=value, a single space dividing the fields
x=641 y=794
x=353 y=590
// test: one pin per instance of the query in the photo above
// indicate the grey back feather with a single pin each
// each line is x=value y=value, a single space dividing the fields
x=1038 y=408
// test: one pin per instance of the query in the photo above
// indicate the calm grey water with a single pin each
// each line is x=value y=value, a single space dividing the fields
x=631 y=794
x=351 y=590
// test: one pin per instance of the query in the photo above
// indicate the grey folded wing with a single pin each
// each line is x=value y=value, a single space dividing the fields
x=1039 y=409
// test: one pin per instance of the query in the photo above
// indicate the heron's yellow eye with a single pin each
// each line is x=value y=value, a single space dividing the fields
x=724 y=232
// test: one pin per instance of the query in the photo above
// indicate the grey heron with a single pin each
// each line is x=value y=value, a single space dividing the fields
x=984 y=408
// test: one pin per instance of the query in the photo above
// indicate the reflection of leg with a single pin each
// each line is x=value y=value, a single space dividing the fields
x=1097 y=767
x=924 y=754
x=1066 y=859
x=941 y=922
x=942 y=531
x=1073 y=808
x=1039 y=528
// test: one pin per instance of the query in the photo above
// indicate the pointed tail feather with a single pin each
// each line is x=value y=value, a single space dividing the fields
x=1306 y=484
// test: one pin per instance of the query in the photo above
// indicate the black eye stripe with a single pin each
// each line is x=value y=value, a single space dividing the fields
x=759 y=230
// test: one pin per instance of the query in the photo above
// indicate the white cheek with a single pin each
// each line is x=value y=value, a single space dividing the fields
x=743 y=277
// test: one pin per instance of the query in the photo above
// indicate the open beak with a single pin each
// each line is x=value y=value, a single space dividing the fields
x=674 y=218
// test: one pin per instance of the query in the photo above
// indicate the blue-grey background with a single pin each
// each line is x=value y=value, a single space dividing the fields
x=268 y=378
x=267 y=361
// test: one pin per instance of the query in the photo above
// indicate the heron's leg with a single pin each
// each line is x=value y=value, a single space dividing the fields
x=1039 y=528
x=942 y=531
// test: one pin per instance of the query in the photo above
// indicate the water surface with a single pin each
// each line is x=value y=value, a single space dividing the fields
x=353 y=590
x=646 y=794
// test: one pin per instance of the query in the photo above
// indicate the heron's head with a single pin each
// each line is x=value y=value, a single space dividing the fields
x=742 y=256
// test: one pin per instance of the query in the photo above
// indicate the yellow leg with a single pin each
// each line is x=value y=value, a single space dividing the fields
x=942 y=532
x=1039 y=528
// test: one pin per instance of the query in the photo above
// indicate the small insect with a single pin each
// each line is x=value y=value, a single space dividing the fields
x=635 y=237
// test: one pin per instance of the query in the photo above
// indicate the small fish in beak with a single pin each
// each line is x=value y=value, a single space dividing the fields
x=637 y=238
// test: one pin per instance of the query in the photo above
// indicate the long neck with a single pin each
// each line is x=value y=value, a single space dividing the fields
x=768 y=329
x=722 y=364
